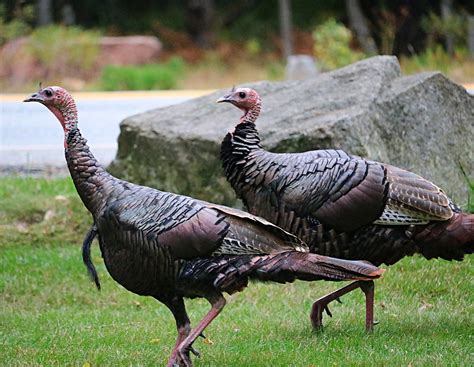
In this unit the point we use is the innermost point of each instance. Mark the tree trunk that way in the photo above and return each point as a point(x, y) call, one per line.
point(200, 19)
point(446, 11)
point(285, 27)
point(358, 24)
point(44, 11)
point(470, 36)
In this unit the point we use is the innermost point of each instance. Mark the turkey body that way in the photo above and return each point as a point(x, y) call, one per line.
point(163, 245)
point(343, 205)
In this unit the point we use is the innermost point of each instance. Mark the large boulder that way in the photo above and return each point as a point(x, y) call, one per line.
point(422, 122)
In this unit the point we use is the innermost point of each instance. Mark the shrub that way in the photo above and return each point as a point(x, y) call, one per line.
point(437, 28)
point(433, 58)
point(332, 45)
point(144, 77)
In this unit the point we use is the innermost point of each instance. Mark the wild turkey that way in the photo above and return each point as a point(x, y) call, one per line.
point(171, 246)
point(341, 205)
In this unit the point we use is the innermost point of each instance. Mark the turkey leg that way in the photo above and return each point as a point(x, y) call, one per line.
point(217, 302)
point(183, 325)
point(322, 303)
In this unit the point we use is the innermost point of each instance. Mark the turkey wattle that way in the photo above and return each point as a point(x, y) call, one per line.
point(170, 246)
point(341, 205)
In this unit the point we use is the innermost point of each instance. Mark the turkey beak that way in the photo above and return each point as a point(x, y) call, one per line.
point(35, 97)
point(226, 98)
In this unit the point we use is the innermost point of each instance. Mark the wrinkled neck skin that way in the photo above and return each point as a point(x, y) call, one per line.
point(90, 179)
point(251, 115)
point(67, 116)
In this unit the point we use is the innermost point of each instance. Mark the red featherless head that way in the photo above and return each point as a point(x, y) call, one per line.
point(60, 103)
point(247, 100)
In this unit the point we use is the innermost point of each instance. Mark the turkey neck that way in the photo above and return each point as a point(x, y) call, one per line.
point(237, 148)
point(91, 180)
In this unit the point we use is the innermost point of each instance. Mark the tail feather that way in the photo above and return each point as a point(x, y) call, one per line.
point(86, 256)
point(230, 273)
point(306, 266)
point(450, 240)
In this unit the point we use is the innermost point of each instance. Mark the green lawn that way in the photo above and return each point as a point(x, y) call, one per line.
point(52, 315)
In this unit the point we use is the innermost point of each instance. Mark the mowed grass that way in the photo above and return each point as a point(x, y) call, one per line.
point(52, 315)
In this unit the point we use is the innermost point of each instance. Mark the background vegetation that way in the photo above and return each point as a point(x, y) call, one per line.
point(224, 44)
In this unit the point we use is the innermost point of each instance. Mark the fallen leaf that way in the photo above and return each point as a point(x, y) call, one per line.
point(208, 341)
point(86, 364)
point(155, 341)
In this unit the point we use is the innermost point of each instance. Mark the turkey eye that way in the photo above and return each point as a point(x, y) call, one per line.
point(242, 94)
point(48, 93)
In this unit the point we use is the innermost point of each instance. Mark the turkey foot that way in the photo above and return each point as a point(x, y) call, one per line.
point(322, 303)
point(218, 303)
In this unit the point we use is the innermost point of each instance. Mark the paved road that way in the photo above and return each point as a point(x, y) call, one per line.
point(30, 135)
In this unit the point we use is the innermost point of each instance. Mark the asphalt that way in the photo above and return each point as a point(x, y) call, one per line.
point(31, 140)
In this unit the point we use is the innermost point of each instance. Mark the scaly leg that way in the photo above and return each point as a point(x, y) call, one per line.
point(322, 303)
point(368, 289)
point(217, 302)
point(183, 325)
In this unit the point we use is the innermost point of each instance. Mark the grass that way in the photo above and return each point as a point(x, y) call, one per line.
point(52, 315)
point(143, 77)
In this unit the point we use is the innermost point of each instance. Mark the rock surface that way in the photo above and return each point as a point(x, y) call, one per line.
point(424, 123)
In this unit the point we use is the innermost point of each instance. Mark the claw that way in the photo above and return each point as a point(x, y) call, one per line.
point(186, 361)
point(194, 351)
point(339, 300)
point(184, 355)
point(202, 335)
point(326, 308)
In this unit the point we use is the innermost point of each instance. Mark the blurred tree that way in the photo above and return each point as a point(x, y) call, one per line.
point(359, 25)
point(44, 11)
point(285, 27)
point(446, 13)
point(200, 22)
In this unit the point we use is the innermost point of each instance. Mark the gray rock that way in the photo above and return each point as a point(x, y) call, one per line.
point(424, 123)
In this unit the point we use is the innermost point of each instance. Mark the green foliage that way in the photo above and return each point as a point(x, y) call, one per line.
point(437, 28)
point(64, 49)
point(332, 45)
point(52, 315)
point(253, 47)
point(275, 70)
point(145, 77)
point(434, 58)
point(18, 26)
